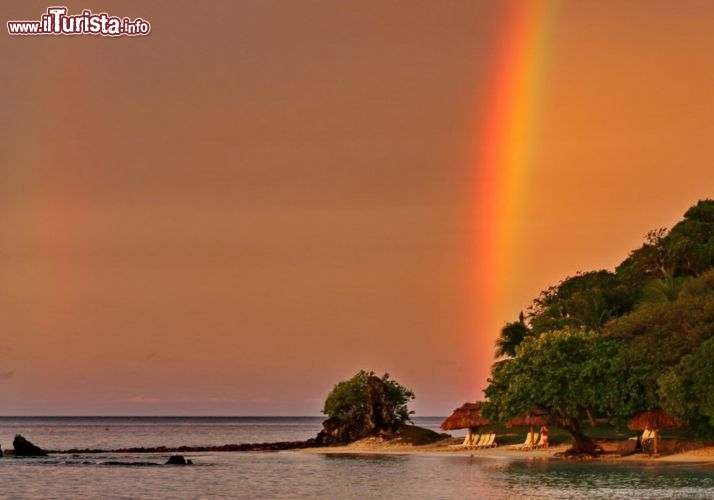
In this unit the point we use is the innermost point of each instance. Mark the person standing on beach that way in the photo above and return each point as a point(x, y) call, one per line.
point(544, 436)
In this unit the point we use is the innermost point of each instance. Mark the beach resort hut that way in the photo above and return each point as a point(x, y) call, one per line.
point(536, 417)
point(467, 416)
point(653, 421)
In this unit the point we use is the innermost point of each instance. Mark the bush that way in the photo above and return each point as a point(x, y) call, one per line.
point(365, 405)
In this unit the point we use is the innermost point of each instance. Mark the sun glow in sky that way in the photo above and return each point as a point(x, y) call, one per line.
point(259, 199)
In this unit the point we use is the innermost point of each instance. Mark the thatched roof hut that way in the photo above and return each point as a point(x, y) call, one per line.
point(467, 416)
point(653, 420)
point(533, 418)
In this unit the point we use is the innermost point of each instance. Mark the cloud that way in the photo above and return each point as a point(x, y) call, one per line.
point(143, 400)
point(7, 375)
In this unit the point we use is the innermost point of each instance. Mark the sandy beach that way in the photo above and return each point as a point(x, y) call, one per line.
point(703, 455)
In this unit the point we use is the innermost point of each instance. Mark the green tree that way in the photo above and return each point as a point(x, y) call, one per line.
point(687, 250)
point(365, 405)
point(661, 290)
point(658, 334)
point(511, 336)
point(586, 300)
point(686, 390)
point(653, 318)
point(567, 372)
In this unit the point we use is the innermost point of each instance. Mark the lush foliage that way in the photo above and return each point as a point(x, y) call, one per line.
point(686, 390)
point(569, 372)
point(511, 336)
point(352, 397)
point(647, 345)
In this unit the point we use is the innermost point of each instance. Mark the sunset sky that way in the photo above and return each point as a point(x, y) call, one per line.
point(262, 197)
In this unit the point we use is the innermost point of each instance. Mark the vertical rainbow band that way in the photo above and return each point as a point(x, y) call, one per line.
point(505, 156)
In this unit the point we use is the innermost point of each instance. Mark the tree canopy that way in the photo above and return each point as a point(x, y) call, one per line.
point(365, 405)
point(615, 343)
point(568, 372)
point(686, 389)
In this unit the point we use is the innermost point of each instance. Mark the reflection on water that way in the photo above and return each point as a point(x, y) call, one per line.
point(556, 479)
point(294, 474)
point(443, 476)
point(358, 476)
point(365, 457)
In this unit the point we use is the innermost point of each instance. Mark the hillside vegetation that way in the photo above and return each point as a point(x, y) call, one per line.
point(612, 344)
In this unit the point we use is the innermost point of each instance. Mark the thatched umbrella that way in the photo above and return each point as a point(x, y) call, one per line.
point(653, 420)
point(534, 417)
point(467, 416)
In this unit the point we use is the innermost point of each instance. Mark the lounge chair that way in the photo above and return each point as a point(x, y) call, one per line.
point(469, 440)
point(531, 440)
point(489, 442)
point(541, 442)
point(646, 435)
point(478, 444)
point(647, 438)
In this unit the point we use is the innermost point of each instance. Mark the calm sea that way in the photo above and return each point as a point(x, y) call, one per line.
point(294, 474)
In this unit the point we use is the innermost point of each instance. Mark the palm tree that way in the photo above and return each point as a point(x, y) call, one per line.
point(511, 336)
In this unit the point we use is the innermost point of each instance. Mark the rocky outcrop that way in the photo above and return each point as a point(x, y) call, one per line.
point(357, 423)
point(178, 460)
point(24, 448)
point(277, 446)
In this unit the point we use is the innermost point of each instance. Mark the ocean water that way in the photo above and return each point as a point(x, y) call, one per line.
point(296, 474)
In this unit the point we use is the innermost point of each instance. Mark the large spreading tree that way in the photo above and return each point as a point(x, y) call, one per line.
point(567, 372)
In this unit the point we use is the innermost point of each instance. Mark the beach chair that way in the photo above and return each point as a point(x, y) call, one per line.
point(477, 444)
point(493, 443)
point(647, 438)
point(469, 439)
point(531, 440)
point(541, 442)
point(489, 442)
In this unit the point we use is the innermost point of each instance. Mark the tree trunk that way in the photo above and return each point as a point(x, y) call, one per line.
point(582, 445)
point(593, 424)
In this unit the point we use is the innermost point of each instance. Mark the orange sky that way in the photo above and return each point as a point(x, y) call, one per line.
point(261, 198)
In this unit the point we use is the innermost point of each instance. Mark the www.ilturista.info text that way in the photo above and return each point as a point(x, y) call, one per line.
point(57, 22)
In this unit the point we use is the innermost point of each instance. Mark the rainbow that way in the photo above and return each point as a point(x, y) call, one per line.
point(504, 157)
point(56, 217)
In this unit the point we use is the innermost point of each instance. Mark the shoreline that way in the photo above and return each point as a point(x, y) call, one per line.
point(703, 456)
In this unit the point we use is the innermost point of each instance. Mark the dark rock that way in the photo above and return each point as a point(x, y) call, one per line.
point(24, 448)
point(176, 460)
point(0, 451)
point(279, 445)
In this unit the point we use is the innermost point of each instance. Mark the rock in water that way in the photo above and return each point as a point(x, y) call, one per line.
point(24, 448)
point(177, 460)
